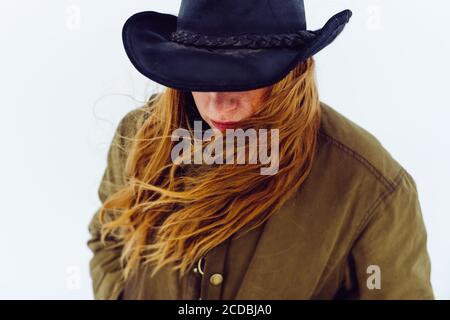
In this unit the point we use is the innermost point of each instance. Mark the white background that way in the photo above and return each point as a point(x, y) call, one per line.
point(66, 82)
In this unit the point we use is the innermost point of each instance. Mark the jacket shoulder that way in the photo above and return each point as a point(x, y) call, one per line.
point(123, 138)
point(134, 119)
point(362, 147)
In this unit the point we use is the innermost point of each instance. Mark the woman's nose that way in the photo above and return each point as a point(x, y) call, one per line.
point(223, 100)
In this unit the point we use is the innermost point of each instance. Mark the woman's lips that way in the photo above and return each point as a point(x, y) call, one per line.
point(224, 125)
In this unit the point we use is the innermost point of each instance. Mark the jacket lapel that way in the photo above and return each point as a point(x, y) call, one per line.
point(282, 259)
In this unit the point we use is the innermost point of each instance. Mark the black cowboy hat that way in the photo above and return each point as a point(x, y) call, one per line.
point(225, 45)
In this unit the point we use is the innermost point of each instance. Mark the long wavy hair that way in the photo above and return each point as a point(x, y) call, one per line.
point(168, 213)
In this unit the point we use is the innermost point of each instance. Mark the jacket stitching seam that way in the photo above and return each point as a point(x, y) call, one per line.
point(380, 177)
point(370, 213)
point(379, 200)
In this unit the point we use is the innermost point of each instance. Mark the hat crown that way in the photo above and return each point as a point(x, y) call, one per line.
point(232, 17)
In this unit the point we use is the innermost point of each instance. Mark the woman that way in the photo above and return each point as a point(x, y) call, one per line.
point(339, 219)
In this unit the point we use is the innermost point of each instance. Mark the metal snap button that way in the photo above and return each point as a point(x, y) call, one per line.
point(216, 279)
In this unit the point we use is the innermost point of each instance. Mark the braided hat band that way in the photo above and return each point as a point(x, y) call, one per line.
point(252, 41)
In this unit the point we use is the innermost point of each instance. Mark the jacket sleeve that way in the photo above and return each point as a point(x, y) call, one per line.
point(389, 257)
point(105, 267)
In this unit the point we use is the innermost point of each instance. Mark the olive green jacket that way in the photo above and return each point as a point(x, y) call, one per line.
point(354, 230)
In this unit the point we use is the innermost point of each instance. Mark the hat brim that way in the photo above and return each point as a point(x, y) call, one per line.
point(146, 38)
